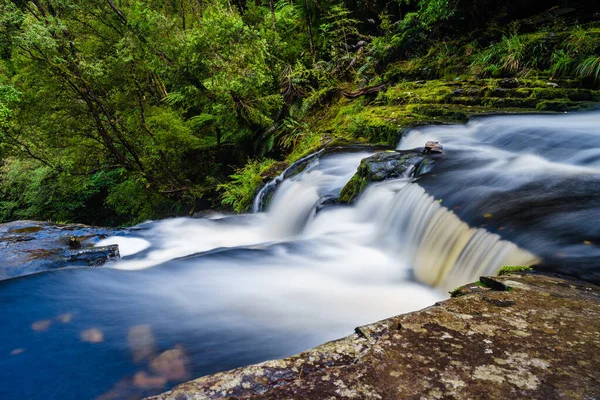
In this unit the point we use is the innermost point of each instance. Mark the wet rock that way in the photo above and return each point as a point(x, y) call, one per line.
point(96, 256)
point(540, 340)
point(433, 147)
point(27, 247)
point(142, 343)
point(41, 326)
point(380, 167)
point(74, 243)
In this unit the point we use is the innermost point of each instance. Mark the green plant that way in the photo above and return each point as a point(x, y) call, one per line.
point(239, 192)
point(561, 62)
point(589, 67)
point(291, 132)
point(514, 48)
point(513, 269)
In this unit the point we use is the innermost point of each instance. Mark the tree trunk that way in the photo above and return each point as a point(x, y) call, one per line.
point(309, 25)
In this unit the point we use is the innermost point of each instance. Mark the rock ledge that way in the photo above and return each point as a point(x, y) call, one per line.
point(538, 338)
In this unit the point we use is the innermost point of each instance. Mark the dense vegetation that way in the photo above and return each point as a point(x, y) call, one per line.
point(116, 111)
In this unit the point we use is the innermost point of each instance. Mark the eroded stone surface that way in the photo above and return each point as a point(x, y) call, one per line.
point(539, 339)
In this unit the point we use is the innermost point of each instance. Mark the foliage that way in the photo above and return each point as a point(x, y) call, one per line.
point(512, 269)
point(241, 189)
point(589, 67)
point(116, 112)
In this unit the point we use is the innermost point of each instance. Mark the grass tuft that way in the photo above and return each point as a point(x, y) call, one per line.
point(512, 269)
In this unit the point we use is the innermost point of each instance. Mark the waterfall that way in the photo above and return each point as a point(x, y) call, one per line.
point(262, 197)
point(303, 270)
point(443, 250)
point(397, 221)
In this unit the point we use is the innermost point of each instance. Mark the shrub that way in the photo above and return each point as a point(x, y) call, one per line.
point(239, 192)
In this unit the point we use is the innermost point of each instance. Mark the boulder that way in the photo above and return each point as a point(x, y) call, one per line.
point(384, 166)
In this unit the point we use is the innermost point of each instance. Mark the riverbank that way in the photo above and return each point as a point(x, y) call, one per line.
point(518, 335)
point(381, 118)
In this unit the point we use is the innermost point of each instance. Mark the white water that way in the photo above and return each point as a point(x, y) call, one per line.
point(271, 284)
point(396, 250)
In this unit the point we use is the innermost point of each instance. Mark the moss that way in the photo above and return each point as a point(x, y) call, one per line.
point(581, 95)
point(513, 269)
point(549, 93)
point(352, 189)
point(447, 113)
point(408, 104)
point(555, 105)
point(456, 292)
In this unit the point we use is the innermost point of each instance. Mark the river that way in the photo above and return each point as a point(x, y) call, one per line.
point(192, 297)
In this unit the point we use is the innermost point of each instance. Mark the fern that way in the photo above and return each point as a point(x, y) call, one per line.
point(239, 192)
point(561, 62)
point(589, 67)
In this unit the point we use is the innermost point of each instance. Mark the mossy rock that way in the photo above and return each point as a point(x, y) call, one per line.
point(556, 105)
point(380, 167)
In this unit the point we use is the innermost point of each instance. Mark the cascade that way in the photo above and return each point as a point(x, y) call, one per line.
point(232, 290)
point(443, 250)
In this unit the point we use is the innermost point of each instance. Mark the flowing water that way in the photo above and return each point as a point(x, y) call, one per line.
point(196, 296)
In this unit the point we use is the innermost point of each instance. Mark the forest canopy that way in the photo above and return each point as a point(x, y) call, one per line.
point(117, 111)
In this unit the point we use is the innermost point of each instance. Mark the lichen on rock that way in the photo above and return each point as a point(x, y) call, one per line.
point(539, 340)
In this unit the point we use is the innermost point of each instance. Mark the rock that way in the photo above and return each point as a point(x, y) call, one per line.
point(433, 147)
point(380, 167)
point(552, 84)
point(142, 343)
point(96, 256)
point(28, 247)
point(538, 340)
point(509, 83)
point(74, 243)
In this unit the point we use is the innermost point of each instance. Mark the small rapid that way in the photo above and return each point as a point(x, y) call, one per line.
point(217, 293)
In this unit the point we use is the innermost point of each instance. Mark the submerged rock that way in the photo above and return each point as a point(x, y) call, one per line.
point(383, 166)
point(538, 338)
point(27, 247)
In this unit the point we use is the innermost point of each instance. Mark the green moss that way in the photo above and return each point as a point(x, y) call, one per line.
point(555, 105)
point(352, 189)
point(456, 292)
point(513, 269)
point(548, 93)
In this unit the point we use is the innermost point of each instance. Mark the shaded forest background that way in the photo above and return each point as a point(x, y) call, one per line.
point(117, 111)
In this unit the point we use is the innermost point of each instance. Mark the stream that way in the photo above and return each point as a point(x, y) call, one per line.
point(192, 297)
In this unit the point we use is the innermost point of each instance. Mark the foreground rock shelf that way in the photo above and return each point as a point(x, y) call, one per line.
point(522, 336)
